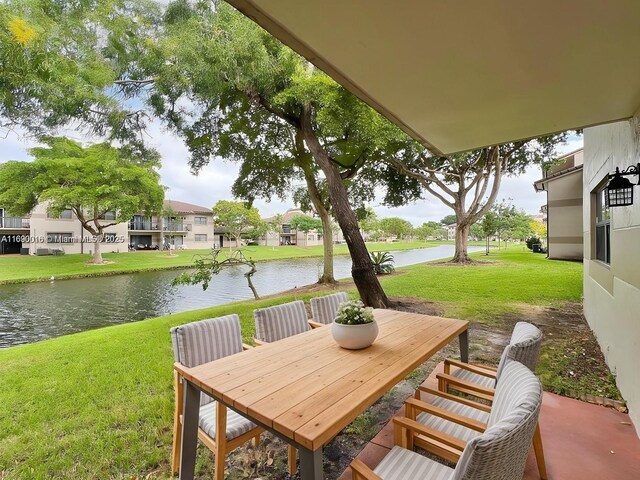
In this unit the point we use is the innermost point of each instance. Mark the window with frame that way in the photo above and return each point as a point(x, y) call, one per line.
point(59, 237)
point(65, 214)
point(602, 227)
point(108, 216)
point(200, 220)
point(201, 237)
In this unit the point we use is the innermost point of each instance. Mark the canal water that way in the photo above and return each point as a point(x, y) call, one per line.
point(36, 311)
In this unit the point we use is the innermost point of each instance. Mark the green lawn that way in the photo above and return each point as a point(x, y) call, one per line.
point(98, 404)
point(14, 269)
point(484, 291)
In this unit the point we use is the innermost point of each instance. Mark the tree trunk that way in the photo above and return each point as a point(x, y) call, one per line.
point(327, 244)
point(366, 281)
point(462, 240)
point(327, 233)
point(248, 276)
point(97, 254)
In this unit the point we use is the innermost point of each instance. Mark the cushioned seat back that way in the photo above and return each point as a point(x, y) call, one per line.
point(501, 452)
point(206, 340)
point(281, 321)
point(323, 309)
point(524, 347)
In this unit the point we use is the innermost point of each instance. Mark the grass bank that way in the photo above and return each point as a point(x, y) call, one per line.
point(98, 404)
point(21, 269)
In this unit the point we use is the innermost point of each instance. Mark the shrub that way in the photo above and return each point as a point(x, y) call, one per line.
point(531, 241)
point(382, 262)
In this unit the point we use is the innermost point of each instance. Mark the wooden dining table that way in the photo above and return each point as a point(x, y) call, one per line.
point(305, 389)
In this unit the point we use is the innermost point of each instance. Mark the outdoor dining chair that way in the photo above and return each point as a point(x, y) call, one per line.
point(323, 309)
point(480, 381)
point(499, 452)
point(194, 344)
point(281, 321)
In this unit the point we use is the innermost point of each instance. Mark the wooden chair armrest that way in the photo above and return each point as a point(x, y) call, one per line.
point(259, 343)
point(453, 398)
point(246, 346)
point(479, 369)
point(359, 471)
point(417, 428)
point(473, 387)
point(419, 405)
point(315, 324)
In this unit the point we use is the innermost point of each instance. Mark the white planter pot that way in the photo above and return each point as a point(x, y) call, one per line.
point(354, 337)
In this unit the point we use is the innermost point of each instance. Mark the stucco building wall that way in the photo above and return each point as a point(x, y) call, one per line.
point(612, 292)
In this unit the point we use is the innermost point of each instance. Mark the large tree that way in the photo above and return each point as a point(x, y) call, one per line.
point(304, 224)
point(62, 64)
point(90, 181)
point(214, 70)
point(469, 183)
point(395, 226)
point(236, 218)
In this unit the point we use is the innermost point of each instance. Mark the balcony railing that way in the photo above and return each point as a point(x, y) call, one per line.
point(176, 227)
point(14, 222)
point(139, 224)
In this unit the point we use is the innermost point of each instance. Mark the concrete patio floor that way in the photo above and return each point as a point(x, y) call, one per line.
point(581, 441)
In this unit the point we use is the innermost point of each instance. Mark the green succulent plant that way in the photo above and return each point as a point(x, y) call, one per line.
point(382, 262)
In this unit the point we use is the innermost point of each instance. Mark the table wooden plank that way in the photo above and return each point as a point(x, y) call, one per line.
point(307, 410)
point(273, 403)
point(308, 388)
point(295, 371)
point(324, 426)
point(253, 363)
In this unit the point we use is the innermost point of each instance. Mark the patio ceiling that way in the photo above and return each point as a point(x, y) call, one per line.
point(462, 75)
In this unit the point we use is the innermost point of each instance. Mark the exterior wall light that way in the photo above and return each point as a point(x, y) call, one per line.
point(619, 192)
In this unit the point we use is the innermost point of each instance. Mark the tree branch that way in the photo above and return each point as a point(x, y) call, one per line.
point(135, 83)
point(438, 195)
point(497, 178)
point(278, 112)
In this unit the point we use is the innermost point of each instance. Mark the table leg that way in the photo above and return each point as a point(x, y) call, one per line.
point(464, 346)
point(311, 464)
point(190, 417)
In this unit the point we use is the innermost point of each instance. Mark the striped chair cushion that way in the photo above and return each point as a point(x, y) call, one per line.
point(281, 321)
point(476, 378)
point(402, 464)
point(236, 424)
point(452, 428)
point(524, 346)
point(501, 451)
point(517, 389)
point(207, 340)
point(323, 309)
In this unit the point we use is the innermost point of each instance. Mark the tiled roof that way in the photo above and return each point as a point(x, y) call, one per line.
point(183, 207)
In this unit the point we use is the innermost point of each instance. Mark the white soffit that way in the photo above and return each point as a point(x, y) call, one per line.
point(458, 75)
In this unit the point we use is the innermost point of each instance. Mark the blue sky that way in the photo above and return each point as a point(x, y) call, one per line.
point(214, 181)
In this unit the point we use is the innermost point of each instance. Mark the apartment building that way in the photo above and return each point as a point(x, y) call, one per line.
point(562, 181)
point(186, 226)
point(287, 235)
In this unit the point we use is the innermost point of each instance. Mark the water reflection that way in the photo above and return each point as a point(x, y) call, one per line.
point(32, 312)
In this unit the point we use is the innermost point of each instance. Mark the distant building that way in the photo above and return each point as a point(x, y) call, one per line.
point(189, 226)
point(563, 183)
point(451, 231)
point(287, 235)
